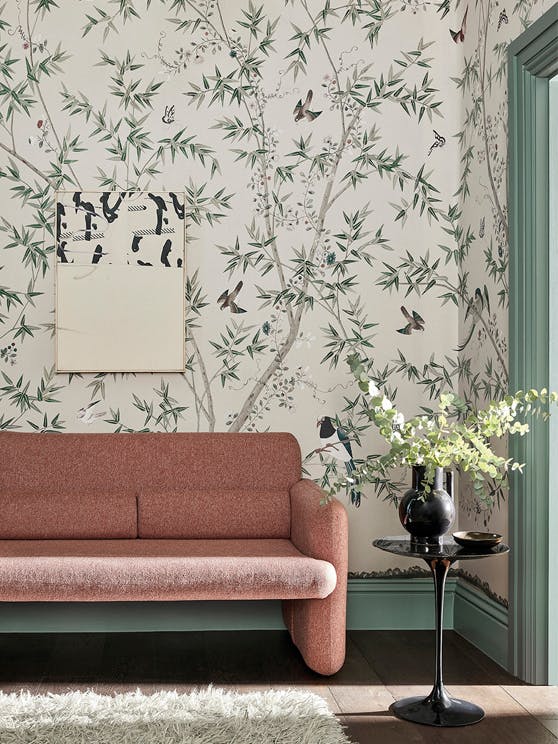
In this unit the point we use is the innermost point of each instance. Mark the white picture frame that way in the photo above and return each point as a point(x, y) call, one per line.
point(119, 282)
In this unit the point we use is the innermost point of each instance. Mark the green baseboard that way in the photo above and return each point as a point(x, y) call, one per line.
point(372, 604)
point(137, 617)
point(408, 604)
point(482, 621)
point(396, 604)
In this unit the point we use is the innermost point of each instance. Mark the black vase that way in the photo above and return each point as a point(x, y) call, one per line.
point(428, 516)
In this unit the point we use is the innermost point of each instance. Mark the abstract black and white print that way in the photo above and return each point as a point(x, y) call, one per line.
point(120, 281)
point(134, 228)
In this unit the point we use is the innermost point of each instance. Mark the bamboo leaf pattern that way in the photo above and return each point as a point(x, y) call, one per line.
point(302, 135)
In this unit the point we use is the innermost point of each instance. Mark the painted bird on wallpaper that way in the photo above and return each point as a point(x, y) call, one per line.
point(439, 141)
point(458, 36)
point(87, 415)
point(480, 301)
point(228, 300)
point(168, 116)
point(302, 111)
point(475, 307)
point(336, 443)
point(414, 322)
point(502, 19)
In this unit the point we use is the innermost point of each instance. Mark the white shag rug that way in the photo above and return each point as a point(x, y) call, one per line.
point(209, 716)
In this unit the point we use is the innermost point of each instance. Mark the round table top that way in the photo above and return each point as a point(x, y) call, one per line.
point(401, 545)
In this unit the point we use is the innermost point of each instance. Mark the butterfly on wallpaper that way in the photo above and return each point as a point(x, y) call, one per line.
point(460, 35)
point(39, 45)
point(168, 116)
point(414, 322)
point(502, 19)
point(228, 300)
point(301, 110)
point(481, 227)
point(439, 141)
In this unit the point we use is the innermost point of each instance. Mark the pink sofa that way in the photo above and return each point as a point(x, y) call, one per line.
point(101, 517)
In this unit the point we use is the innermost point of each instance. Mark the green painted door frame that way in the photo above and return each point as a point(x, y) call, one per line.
point(533, 61)
point(553, 242)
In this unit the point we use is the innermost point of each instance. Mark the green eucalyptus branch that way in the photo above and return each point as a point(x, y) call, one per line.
point(454, 436)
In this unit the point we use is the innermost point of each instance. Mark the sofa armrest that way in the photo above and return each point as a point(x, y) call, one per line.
point(319, 531)
point(318, 626)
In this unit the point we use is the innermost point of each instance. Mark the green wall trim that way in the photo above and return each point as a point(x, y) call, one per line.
point(137, 617)
point(482, 621)
point(396, 604)
point(533, 58)
point(553, 424)
point(537, 47)
point(372, 604)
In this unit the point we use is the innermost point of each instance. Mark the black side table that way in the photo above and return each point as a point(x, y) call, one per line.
point(438, 708)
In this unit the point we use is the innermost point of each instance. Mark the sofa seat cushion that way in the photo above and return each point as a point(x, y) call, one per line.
point(120, 570)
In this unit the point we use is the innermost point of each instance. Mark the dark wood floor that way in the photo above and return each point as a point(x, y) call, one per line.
point(381, 666)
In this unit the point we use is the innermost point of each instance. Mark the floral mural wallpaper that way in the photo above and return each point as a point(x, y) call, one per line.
point(344, 168)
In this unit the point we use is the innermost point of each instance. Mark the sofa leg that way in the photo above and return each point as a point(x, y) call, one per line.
point(317, 628)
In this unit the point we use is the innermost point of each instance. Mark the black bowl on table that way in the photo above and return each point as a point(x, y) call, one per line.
point(477, 540)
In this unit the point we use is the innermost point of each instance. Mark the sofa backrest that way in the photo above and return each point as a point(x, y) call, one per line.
point(179, 485)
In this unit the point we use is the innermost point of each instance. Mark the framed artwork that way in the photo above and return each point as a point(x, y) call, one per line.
point(120, 281)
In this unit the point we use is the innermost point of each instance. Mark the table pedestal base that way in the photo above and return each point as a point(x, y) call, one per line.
point(437, 710)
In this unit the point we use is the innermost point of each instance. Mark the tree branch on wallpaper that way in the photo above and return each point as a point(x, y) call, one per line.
point(54, 65)
point(325, 164)
point(483, 142)
point(308, 249)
